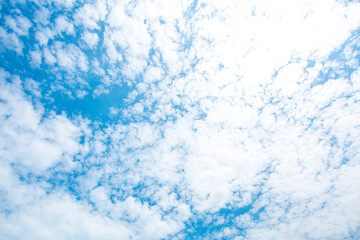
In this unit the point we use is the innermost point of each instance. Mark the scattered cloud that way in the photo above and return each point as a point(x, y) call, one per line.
point(20, 25)
point(10, 41)
point(180, 120)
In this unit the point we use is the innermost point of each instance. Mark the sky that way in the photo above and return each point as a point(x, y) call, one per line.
point(157, 119)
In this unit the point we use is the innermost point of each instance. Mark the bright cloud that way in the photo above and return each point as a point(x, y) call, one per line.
point(179, 119)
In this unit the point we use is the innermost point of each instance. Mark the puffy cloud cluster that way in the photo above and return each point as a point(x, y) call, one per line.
point(240, 120)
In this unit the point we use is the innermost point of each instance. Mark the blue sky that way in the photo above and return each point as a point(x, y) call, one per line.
point(179, 119)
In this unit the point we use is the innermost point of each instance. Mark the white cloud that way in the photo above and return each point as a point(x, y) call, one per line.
point(89, 15)
point(236, 119)
point(63, 25)
point(27, 138)
point(49, 57)
point(153, 74)
point(67, 3)
point(19, 24)
point(116, 16)
point(249, 128)
point(81, 94)
point(43, 35)
point(148, 221)
point(57, 217)
point(36, 58)
point(33, 87)
point(42, 16)
point(69, 57)
point(91, 39)
point(11, 41)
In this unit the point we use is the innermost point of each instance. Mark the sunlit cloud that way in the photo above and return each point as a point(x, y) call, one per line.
point(179, 119)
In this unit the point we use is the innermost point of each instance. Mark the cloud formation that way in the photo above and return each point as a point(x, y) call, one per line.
point(179, 120)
